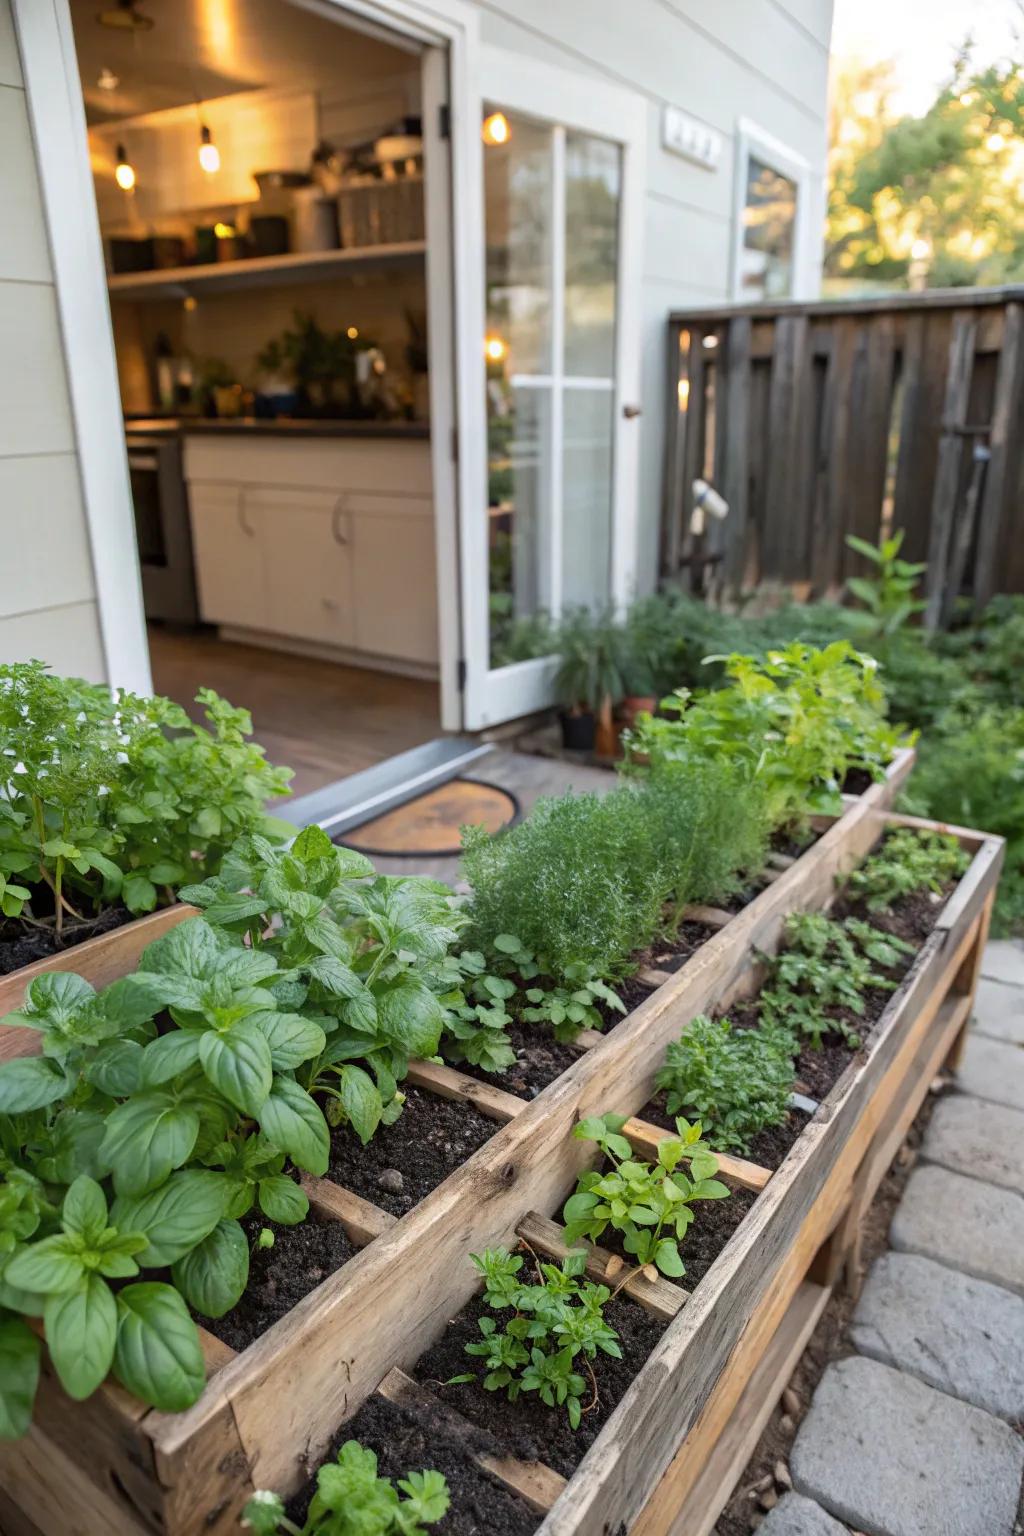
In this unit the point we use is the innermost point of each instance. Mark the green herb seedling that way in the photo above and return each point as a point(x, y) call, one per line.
point(351, 1500)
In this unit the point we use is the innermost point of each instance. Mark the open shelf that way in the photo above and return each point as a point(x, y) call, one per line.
point(259, 271)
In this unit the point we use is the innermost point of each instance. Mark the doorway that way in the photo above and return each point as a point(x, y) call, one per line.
point(260, 180)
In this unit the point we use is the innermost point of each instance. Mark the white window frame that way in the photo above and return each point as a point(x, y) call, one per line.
point(753, 141)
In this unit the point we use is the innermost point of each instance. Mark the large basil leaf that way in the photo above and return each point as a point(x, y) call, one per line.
point(28, 1083)
point(282, 1200)
point(85, 1210)
point(146, 1138)
point(81, 1327)
point(157, 1355)
point(75, 1139)
point(20, 1353)
point(336, 978)
point(168, 1057)
point(214, 1274)
point(410, 1014)
point(360, 1100)
point(295, 1125)
point(175, 1217)
point(238, 1064)
point(52, 1265)
point(292, 1038)
point(114, 1069)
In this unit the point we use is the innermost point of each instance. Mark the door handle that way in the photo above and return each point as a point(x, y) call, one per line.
point(244, 524)
point(336, 517)
point(629, 411)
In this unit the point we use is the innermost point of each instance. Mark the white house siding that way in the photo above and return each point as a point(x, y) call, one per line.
point(718, 60)
point(47, 591)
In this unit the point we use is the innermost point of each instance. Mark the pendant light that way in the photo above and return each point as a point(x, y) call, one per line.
point(124, 171)
point(209, 154)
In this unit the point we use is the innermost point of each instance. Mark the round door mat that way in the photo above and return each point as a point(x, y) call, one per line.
point(429, 825)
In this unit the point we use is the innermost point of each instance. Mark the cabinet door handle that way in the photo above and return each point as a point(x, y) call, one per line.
point(336, 517)
point(244, 524)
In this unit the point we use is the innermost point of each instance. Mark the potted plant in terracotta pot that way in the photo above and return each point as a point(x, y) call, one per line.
point(589, 681)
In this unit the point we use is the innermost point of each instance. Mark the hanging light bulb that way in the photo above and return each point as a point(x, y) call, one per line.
point(124, 171)
point(496, 129)
point(209, 154)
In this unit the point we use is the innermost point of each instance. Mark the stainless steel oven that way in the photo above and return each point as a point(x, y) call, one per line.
point(162, 526)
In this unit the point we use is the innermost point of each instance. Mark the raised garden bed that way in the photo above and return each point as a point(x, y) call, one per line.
point(270, 1412)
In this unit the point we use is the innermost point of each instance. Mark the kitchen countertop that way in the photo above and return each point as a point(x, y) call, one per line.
point(284, 427)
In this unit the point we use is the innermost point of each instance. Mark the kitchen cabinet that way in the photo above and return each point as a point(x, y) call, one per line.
point(327, 545)
point(230, 561)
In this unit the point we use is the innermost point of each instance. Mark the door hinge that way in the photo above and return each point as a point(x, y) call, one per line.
point(460, 674)
point(444, 120)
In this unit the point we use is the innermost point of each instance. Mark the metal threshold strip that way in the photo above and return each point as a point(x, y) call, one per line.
point(348, 802)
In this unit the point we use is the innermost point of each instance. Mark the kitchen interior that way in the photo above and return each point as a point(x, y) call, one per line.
point(258, 169)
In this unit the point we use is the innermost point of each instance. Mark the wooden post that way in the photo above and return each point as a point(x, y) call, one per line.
point(998, 499)
point(947, 479)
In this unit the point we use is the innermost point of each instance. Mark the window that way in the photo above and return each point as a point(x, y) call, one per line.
point(772, 190)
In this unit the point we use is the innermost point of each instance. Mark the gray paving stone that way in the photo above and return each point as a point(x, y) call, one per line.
point(963, 1223)
point(999, 1011)
point(1003, 960)
point(973, 1136)
point(964, 1336)
point(992, 1069)
point(892, 1457)
point(794, 1515)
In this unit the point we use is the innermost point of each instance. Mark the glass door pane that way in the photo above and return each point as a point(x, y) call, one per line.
point(552, 203)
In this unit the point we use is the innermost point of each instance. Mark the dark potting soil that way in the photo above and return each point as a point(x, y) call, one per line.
point(768, 1147)
point(672, 954)
point(631, 993)
point(912, 918)
point(427, 1142)
point(279, 1277)
point(540, 1059)
point(528, 1428)
point(793, 841)
point(407, 1442)
point(857, 781)
point(21, 944)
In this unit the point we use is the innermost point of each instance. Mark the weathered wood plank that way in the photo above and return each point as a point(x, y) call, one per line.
point(737, 1170)
point(659, 1296)
point(947, 478)
point(362, 1220)
point(734, 432)
point(999, 499)
point(450, 1084)
point(868, 444)
point(100, 961)
point(537, 1484)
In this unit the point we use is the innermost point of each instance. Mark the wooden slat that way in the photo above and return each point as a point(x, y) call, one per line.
point(947, 478)
point(754, 1408)
point(658, 1295)
point(714, 917)
point(101, 961)
point(645, 1138)
point(362, 1220)
point(60, 1497)
point(999, 501)
point(735, 403)
point(786, 517)
point(535, 1483)
point(868, 446)
point(450, 1084)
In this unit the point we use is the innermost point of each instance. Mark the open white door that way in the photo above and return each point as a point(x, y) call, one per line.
point(554, 527)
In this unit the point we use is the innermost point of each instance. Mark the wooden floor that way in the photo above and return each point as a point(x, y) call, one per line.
point(322, 719)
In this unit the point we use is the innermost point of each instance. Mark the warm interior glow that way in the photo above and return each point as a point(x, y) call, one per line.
point(683, 393)
point(224, 231)
point(124, 171)
point(352, 332)
point(494, 349)
point(496, 129)
point(209, 154)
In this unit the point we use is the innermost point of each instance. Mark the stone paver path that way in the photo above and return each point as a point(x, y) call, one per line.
point(919, 1433)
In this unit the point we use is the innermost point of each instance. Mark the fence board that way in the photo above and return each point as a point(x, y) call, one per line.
point(811, 401)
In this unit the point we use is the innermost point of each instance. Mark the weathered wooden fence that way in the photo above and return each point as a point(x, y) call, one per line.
point(815, 421)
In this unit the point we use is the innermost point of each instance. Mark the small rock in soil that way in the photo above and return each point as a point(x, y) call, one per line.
point(768, 1499)
point(391, 1180)
point(791, 1401)
point(787, 1424)
point(782, 1476)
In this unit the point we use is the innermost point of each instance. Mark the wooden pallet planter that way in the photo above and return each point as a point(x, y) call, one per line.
point(269, 1413)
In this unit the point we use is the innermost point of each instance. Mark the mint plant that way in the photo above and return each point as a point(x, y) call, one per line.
point(109, 797)
point(908, 861)
point(476, 1012)
point(351, 1500)
point(557, 1321)
point(357, 960)
point(649, 1204)
point(823, 968)
point(794, 722)
point(737, 1082)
